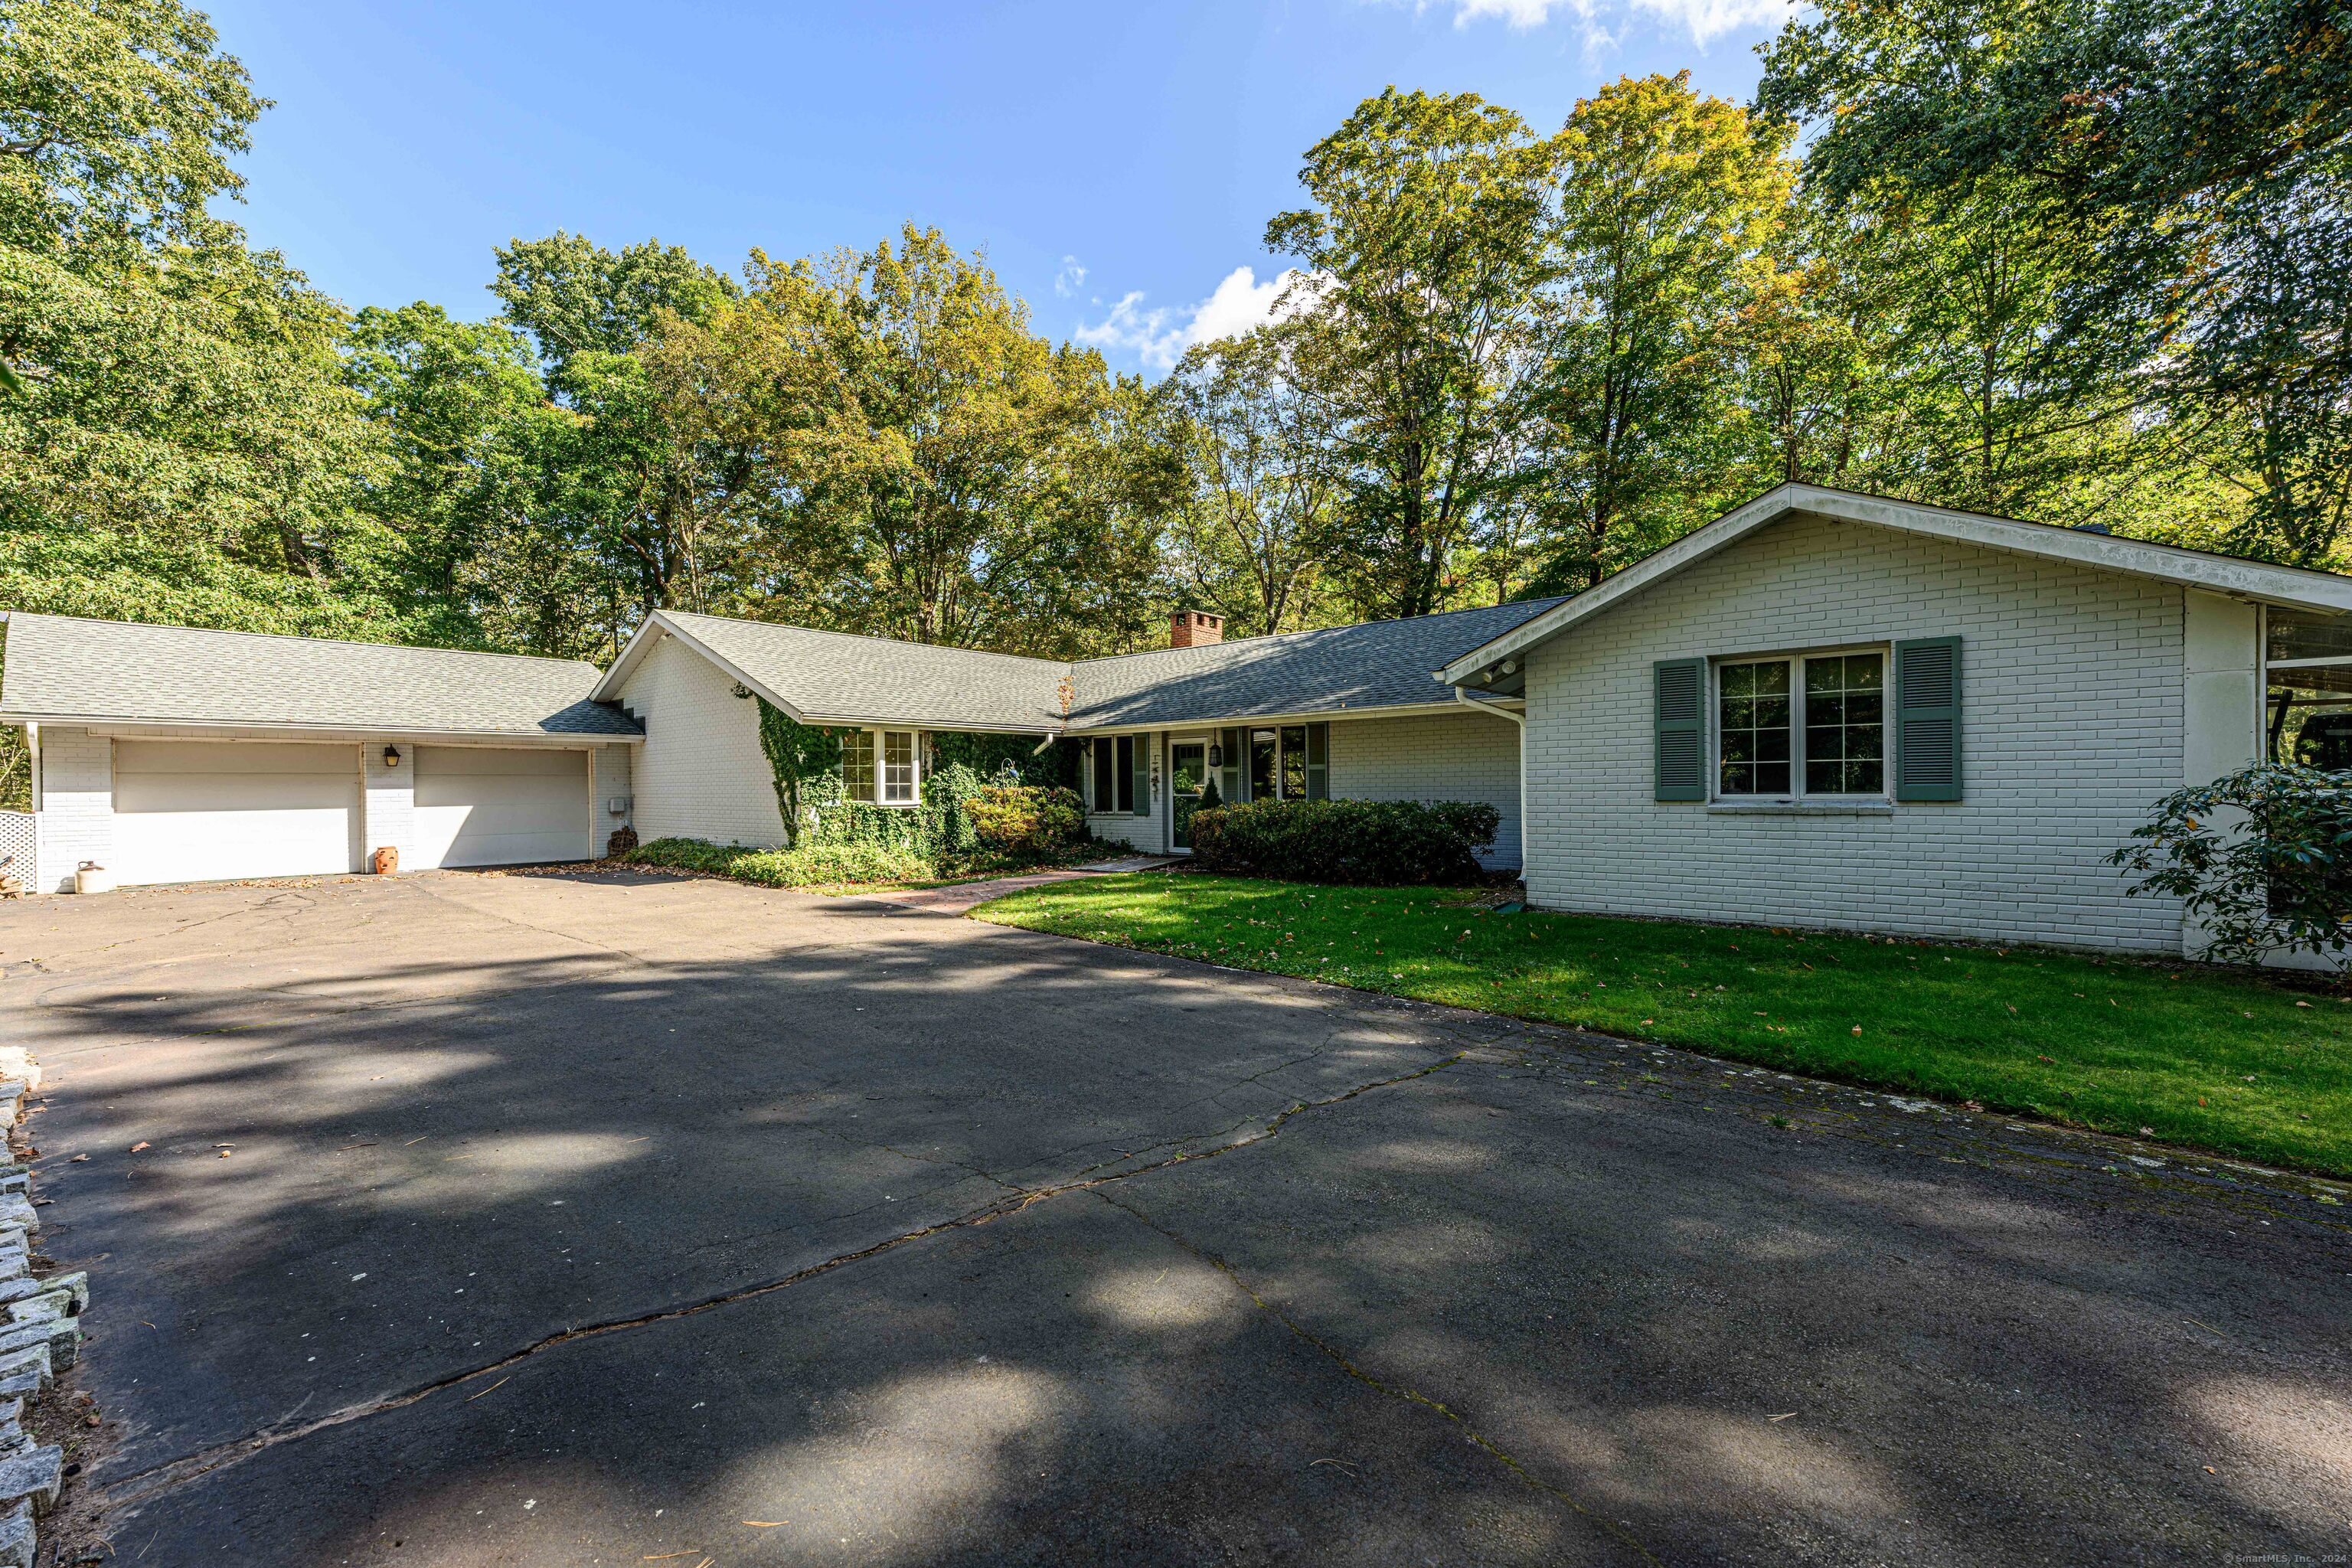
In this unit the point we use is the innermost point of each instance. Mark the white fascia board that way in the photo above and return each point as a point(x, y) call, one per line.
point(930, 726)
point(2325, 591)
point(1304, 716)
point(256, 730)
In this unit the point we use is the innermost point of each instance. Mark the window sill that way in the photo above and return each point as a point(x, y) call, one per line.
point(1801, 808)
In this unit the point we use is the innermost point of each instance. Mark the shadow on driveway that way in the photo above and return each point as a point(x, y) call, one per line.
point(598, 1216)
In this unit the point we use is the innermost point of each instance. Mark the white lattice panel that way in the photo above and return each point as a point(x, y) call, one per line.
point(20, 838)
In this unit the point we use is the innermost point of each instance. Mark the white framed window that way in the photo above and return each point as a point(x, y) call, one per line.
point(1802, 725)
point(2307, 689)
point(857, 765)
point(1111, 777)
point(900, 767)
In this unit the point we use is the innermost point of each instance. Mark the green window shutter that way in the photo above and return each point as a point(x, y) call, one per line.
point(1928, 718)
point(1230, 777)
point(1139, 765)
point(1680, 711)
point(1318, 762)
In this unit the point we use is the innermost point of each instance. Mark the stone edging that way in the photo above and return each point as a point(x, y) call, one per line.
point(40, 1334)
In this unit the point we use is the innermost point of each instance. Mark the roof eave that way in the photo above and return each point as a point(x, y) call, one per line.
point(304, 727)
point(2285, 585)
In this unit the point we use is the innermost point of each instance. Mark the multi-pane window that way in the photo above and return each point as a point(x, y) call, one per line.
point(898, 767)
point(1114, 773)
point(1818, 723)
point(1845, 724)
point(1752, 727)
point(2307, 706)
point(857, 765)
point(1277, 762)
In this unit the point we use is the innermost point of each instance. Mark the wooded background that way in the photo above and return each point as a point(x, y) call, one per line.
point(2072, 260)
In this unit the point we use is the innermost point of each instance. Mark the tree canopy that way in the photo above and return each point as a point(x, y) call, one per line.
point(2073, 260)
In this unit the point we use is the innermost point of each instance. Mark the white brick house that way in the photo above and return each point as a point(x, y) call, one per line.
point(1822, 709)
point(1836, 710)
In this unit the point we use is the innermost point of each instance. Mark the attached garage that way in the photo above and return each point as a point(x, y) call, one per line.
point(197, 811)
point(483, 806)
point(176, 754)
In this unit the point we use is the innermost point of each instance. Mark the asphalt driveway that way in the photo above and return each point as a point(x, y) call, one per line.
point(615, 1219)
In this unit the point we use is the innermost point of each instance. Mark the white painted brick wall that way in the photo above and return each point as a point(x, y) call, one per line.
point(610, 777)
point(2071, 714)
point(1440, 756)
point(76, 804)
point(700, 773)
point(388, 802)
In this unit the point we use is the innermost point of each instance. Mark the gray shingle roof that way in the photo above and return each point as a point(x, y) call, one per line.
point(62, 668)
point(834, 675)
point(1380, 664)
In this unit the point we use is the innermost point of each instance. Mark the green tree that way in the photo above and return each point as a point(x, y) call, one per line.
point(1669, 200)
point(117, 120)
point(178, 441)
point(935, 470)
point(2194, 160)
point(1425, 269)
point(467, 421)
point(576, 298)
point(1260, 528)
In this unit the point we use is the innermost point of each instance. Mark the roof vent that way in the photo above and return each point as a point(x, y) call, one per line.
point(1195, 628)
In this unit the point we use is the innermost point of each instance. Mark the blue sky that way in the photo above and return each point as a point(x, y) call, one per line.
point(1099, 153)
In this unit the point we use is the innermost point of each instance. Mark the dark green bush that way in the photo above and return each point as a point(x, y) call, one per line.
point(2261, 859)
point(1016, 819)
point(1370, 843)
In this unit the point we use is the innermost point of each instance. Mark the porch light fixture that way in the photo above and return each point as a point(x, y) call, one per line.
point(1217, 756)
point(392, 756)
point(742, 692)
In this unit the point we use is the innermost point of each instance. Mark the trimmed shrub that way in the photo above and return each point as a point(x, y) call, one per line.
point(1015, 819)
point(1370, 843)
point(816, 865)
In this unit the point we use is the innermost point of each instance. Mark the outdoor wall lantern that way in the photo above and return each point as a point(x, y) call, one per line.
point(740, 692)
point(392, 756)
point(1217, 756)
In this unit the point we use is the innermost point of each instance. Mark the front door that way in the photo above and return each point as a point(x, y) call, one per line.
point(1188, 775)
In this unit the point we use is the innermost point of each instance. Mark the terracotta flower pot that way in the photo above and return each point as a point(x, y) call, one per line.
point(385, 860)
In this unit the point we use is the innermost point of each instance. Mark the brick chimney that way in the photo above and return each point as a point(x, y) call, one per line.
point(1195, 628)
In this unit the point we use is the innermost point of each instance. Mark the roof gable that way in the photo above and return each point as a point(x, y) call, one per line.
point(2323, 591)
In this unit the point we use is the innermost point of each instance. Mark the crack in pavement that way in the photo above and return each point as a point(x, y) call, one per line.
point(1393, 1390)
point(129, 1491)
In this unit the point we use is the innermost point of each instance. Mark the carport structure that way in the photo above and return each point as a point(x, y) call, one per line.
point(174, 754)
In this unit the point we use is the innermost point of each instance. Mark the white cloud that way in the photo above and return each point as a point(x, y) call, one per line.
point(1707, 19)
point(1070, 279)
point(1703, 20)
point(1159, 335)
point(1518, 13)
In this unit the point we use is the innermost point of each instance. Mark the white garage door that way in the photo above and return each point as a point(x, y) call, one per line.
point(199, 811)
point(477, 805)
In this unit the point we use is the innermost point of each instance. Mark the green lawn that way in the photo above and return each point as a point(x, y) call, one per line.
point(2200, 1056)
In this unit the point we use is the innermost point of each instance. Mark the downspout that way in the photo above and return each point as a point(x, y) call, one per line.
point(1520, 718)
